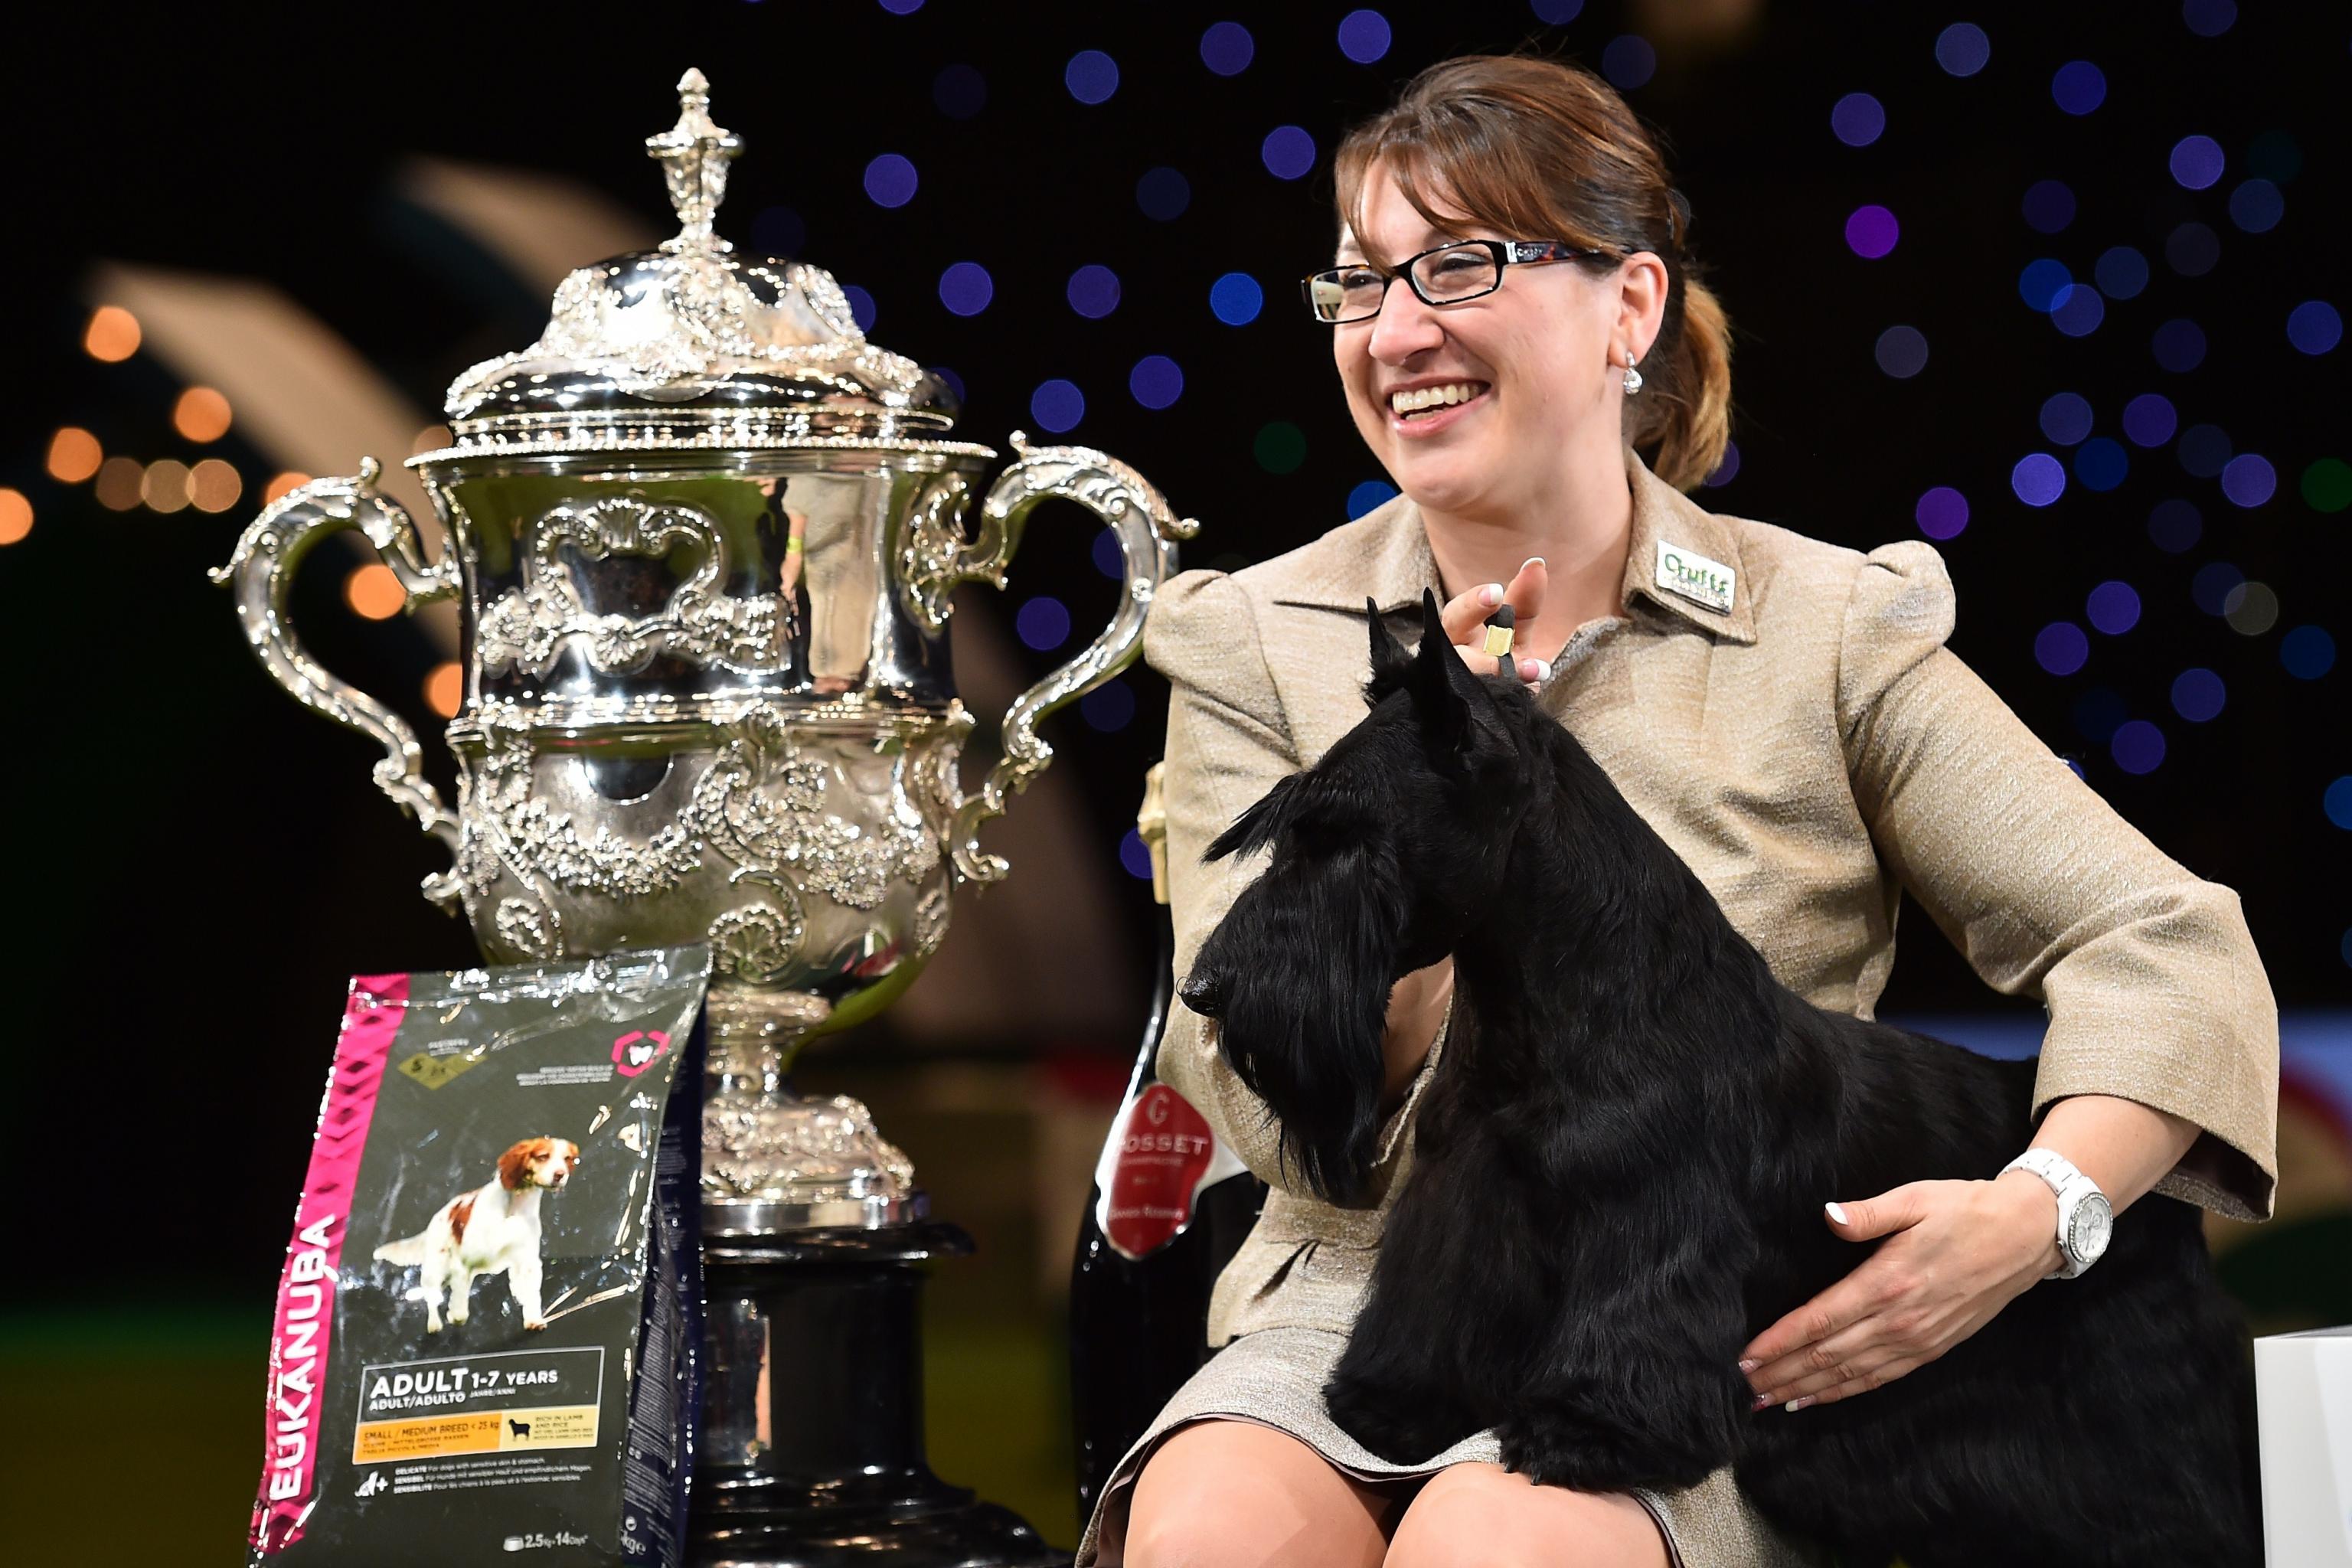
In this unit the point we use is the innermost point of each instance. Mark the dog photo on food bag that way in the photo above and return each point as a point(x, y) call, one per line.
point(1620, 1162)
point(494, 1229)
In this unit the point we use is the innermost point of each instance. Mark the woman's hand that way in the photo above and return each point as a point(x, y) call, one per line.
point(1466, 614)
point(1954, 1253)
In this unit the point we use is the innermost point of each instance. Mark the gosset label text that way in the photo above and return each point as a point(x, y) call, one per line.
point(1163, 1143)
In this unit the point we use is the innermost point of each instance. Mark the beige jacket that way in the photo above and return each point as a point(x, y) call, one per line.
point(1810, 751)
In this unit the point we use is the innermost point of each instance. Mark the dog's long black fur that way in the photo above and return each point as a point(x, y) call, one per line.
point(1620, 1166)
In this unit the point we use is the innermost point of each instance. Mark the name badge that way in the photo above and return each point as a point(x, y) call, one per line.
point(1695, 577)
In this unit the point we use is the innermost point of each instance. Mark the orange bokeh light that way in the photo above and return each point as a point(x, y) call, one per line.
point(112, 334)
point(165, 486)
point(432, 439)
point(74, 454)
point(201, 414)
point(16, 515)
point(214, 485)
point(445, 689)
point(119, 480)
point(283, 486)
point(373, 591)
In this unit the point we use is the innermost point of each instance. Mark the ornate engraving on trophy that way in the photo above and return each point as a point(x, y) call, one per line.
point(527, 627)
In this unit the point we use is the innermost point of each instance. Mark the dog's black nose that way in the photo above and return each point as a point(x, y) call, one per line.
point(1201, 994)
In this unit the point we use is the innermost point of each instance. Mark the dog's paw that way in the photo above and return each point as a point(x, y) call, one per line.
point(1559, 1448)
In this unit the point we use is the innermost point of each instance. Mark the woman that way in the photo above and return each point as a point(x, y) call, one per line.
point(1784, 712)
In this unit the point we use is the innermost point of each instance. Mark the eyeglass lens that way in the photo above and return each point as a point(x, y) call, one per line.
point(1457, 272)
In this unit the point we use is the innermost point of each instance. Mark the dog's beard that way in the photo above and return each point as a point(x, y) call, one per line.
point(1305, 1031)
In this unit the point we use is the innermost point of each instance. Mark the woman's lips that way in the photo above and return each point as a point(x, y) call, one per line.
point(1430, 422)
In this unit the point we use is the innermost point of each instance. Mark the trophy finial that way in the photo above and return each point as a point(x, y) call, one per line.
point(693, 154)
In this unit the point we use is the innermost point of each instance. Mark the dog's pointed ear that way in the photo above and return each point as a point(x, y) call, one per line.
point(1444, 690)
point(1260, 823)
point(1392, 664)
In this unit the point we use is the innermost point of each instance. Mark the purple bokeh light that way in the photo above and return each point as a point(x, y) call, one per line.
point(1057, 405)
point(2149, 419)
point(2113, 607)
point(1629, 61)
point(1091, 76)
point(2313, 327)
point(1289, 152)
point(2061, 648)
point(2249, 481)
point(1962, 49)
point(2038, 479)
point(2138, 746)
point(2066, 417)
point(1364, 36)
point(2197, 162)
point(2256, 206)
point(1942, 512)
point(1871, 232)
point(890, 180)
point(1043, 623)
point(1094, 291)
point(966, 289)
point(1857, 119)
point(1227, 48)
point(2078, 87)
point(2049, 206)
point(1901, 351)
point(2178, 345)
point(1156, 382)
point(2198, 696)
point(2078, 310)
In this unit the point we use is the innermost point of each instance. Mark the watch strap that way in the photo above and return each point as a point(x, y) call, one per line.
point(2069, 1186)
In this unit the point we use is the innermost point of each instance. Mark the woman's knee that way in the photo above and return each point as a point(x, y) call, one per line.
point(1233, 1494)
point(1482, 1515)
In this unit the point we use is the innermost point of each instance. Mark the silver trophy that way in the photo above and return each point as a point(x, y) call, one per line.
point(704, 536)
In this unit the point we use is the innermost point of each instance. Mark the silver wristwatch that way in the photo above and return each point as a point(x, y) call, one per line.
point(2085, 1220)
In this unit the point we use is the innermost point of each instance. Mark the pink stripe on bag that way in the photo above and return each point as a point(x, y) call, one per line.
point(306, 1290)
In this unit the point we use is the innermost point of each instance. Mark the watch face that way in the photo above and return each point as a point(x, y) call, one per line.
point(2094, 1223)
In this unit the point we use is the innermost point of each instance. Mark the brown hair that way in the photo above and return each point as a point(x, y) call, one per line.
point(1546, 150)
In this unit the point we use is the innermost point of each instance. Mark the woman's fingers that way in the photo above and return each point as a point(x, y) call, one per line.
point(1465, 615)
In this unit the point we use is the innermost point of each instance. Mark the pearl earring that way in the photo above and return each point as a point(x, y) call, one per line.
point(1633, 378)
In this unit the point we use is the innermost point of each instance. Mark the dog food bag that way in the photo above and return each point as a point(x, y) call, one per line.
point(488, 1323)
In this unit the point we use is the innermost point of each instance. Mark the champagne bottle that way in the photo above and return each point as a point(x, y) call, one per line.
point(1170, 1205)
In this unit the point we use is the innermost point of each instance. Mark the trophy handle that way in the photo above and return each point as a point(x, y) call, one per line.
point(1148, 530)
point(262, 572)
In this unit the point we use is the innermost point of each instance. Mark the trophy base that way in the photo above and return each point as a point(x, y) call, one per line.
point(811, 1430)
point(732, 1219)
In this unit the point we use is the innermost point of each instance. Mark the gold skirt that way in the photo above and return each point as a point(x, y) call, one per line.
point(1275, 1377)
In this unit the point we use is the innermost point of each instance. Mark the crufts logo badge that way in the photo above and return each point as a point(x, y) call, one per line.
point(638, 1049)
point(1695, 577)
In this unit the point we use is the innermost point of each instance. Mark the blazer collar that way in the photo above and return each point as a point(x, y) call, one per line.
point(1387, 559)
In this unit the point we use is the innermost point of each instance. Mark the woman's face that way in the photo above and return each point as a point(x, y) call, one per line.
point(1542, 358)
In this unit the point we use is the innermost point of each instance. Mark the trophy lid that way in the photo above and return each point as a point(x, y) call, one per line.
point(692, 346)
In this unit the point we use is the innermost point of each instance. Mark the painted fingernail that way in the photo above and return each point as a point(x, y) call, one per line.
point(1492, 593)
point(1835, 1211)
point(1529, 668)
point(1750, 1364)
point(1796, 1404)
point(1531, 561)
point(1759, 1402)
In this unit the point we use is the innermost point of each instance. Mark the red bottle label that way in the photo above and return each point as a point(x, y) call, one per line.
point(1160, 1157)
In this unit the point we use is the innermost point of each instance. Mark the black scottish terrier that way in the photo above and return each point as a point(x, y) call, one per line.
point(1620, 1166)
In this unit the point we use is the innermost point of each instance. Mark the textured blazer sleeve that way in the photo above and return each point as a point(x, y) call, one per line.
point(1228, 741)
point(2153, 987)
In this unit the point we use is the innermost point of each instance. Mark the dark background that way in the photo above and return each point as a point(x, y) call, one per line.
point(178, 825)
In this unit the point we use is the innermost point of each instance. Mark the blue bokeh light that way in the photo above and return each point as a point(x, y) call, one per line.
point(1557, 12)
point(1364, 36)
point(1962, 49)
point(2066, 417)
point(1288, 152)
point(2121, 272)
point(1942, 512)
point(1133, 857)
point(2337, 803)
point(2137, 747)
point(861, 306)
point(2078, 87)
point(2313, 327)
point(2043, 282)
point(1236, 298)
point(2101, 463)
point(2256, 206)
point(1163, 193)
point(1857, 119)
point(2214, 584)
point(1156, 382)
point(955, 381)
point(2038, 479)
point(2249, 481)
point(1057, 405)
point(2049, 206)
point(1726, 467)
point(2307, 652)
point(890, 180)
point(2113, 607)
point(966, 289)
point(1227, 48)
point(1901, 351)
point(2197, 162)
point(2149, 419)
point(2175, 526)
point(1091, 76)
point(1628, 61)
point(2061, 648)
point(1093, 291)
point(1369, 494)
point(1108, 707)
point(2198, 696)
point(1043, 623)
point(1109, 558)
point(2209, 18)
point(2178, 345)
point(2079, 310)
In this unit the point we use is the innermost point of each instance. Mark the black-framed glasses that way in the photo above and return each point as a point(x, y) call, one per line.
point(1446, 276)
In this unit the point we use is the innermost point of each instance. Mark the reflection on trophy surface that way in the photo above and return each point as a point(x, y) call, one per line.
point(704, 535)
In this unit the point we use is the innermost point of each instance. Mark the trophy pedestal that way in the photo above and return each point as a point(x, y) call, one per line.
point(811, 1434)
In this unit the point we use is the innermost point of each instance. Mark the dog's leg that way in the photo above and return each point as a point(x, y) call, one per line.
point(432, 1280)
point(522, 1279)
point(461, 1294)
